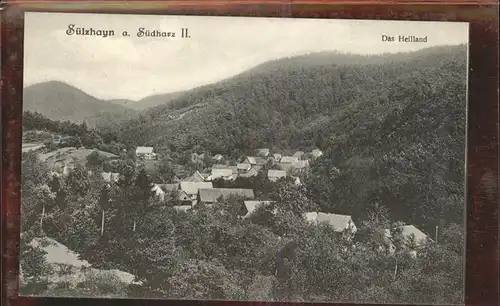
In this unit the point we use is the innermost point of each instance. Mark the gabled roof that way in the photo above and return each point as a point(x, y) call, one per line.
point(251, 206)
point(212, 194)
point(301, 164)
point(276, 173)
point(252, 172)
point(144, 150)
point(191, 188)
point(409, 230)
point(289, 159)
point(218, 156)
point(298, 154)
point(195, 177)
point(219, 166)
point(263, 152)
point(219, 172)
point(244, 167)
point(256, 160)
point(338, 222)
point(169, 187)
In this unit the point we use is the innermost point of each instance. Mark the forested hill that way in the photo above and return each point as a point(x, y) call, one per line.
point(60, 101)
point(395, 130)
point(297, 102)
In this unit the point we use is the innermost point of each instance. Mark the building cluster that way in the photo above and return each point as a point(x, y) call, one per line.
point(198, 188)
point(251, 165)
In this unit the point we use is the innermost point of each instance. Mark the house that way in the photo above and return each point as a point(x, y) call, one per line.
point(210, 195)
point(251, 206)
point(255, 160)
point(218, 158)
point(277, 157)
point(274, 175)
point(158, 191)
point(301, 165)
point(235, 170)
point(197, 158)
point(254, 171)
point(145, 153)
point(189, 190)
point(413, 238)
point(263, 152)
point(289, 160)
point(242, 168)
point(224, 173)
point(298, 154)
point(161, 189)
point(296, 166)
point(339, 223)
point(195, 177)
point(110, 177)
point(220, 166)
point(316, 153)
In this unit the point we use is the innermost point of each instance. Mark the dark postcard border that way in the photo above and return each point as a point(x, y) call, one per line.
point(482, 165)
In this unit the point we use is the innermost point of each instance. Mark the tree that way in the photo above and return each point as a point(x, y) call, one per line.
point(94, 161)
point(291, 198)
point(35, 269)
point(197, 279)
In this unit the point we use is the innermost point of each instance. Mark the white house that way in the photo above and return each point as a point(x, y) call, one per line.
point(145, 153)
point(242, 168)
point(191, 189)
point(224, 173)
point(289, 160)
point(263, 152)
point(255, 160)
point(274, 175)
point(277, 157)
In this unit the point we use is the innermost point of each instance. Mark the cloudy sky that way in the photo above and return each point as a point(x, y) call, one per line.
point(219, 47)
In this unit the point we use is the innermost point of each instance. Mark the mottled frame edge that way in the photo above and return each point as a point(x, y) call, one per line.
point(482, 133)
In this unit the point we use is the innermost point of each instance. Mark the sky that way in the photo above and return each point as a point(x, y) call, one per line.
point(219, 47)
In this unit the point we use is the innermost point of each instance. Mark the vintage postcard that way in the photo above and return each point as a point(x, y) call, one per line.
point(245, 159)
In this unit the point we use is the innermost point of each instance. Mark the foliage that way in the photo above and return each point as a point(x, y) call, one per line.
point(392, 137)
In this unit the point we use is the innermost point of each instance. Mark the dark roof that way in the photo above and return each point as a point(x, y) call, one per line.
point(169, 187)
point(256, 160)
point(193, 187)
point(195, 177)
point(212, 194)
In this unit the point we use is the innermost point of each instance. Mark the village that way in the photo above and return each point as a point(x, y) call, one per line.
point(198, 188)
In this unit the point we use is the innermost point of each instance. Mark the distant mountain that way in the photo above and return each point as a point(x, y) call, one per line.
point(147, 102)
point(60, 101)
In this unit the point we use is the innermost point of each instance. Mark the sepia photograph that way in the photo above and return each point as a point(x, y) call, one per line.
point(243, 158)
